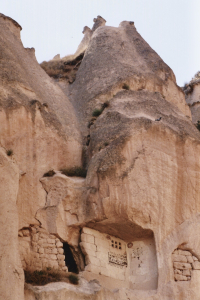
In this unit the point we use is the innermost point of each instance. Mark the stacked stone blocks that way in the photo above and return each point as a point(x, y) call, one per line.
point(184, 263)
point(104, 254)
point(40, 250)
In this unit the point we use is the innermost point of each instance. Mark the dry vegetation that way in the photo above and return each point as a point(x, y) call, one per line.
point(46, 276)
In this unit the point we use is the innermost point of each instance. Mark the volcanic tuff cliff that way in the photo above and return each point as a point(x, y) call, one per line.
point(113, 109)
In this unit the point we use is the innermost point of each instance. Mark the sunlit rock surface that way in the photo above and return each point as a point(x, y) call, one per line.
point(130, 226)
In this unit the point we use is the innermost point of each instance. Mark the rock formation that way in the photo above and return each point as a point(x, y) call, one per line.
point(129, 226)
point(192, 95)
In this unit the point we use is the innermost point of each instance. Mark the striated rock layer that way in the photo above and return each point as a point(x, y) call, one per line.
point(130, 228)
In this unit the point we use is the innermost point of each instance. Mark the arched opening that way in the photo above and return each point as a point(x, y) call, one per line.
point(69, 259)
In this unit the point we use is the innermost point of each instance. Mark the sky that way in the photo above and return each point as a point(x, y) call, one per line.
point(171, 28)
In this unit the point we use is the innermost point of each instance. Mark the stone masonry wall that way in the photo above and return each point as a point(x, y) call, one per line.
point(40, 250)
point(103, 254)
point(117, 263)
point(184, 263)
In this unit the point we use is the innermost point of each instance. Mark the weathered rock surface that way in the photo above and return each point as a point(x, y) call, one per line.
point(136, 216)
point(11, 272)
point(37, 121)
point(192, 95)
point(118, 56)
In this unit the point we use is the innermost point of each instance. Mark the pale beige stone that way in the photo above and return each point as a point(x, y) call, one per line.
point(176, 271)
point(92, 260)
point(182, 266)
point(35, 238)
point(26, 232)
point(12, 276)
point(196, 265)
point(45, 245)
point(182, 252)
point(102, 243)
point(103, 249)
point(42, 231)
point(41, 242)
point(51, 236)
point(186, 272)
point(180, 277)
point(103, 256)
point(179, 258)
point(60, 251)
point(190, 259)
point(90, 231)
point(51, 241)
point(87, 246)
point(35, 248)
point(33, 230)
point(92, 268)
point(61, 263)
point(54, 251)
point(43, 235)
point(43, 255)
point(60, 257)
point(41, 250)
point(36, 255)
point(194, 258)
point(91, 253)
point(87, 238)
point(26, 238)
point(48, 250)
point(59, 244)
point(53, 264)
point(52, 256)
point(103, 271)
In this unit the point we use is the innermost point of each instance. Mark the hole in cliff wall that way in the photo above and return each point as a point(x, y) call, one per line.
point(69, 259)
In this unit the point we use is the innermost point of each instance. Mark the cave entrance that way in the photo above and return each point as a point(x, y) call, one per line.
point(69, 259)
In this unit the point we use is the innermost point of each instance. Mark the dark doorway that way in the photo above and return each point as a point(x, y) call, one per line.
point(69, 259)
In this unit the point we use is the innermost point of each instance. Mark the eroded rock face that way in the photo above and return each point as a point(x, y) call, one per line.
point(192, 95)
point(11, 272)
point(118, 56)
point(133, 222)
point(37, 121)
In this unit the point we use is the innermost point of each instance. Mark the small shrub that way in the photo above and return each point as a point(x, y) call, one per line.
point(97, 112)
point(50, 173)
point(106, 144)
point(75, 171)
point(73, 279)
point(9, 152)
point(198, 125)
point(126, 86)
point(44, 276)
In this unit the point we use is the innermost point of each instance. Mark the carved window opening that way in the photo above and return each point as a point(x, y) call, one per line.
point(116, 245)
point(69, 259)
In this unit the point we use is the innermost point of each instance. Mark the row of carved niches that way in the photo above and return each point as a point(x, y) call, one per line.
point(184, 262)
